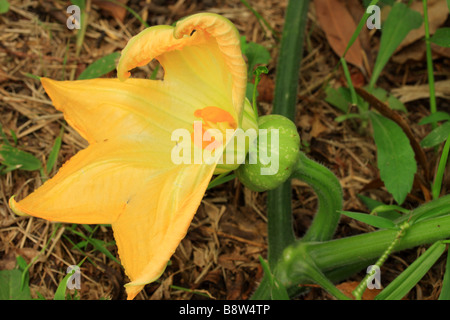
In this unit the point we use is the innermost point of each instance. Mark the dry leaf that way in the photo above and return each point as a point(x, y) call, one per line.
point(266, 88)
point(411, 93)
point(317, 126)
point(348, 287)
point(437, 14)
point(116, 10)
point(339, 26)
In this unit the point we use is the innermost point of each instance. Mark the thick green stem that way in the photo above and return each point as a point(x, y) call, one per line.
point(279, 211)
point(329, 194)
point(344, 253)
point(280, 227)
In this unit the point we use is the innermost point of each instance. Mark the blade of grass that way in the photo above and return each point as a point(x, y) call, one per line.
point(53, 156)
point(60, 293)
point(222, 178)
point(400, 21)
point(401, 285)
point(361, 24)
point(437, 184)
point(261, 19)
point(429, 61)
point(375, 221)
point(445, 290)
point(349, 81)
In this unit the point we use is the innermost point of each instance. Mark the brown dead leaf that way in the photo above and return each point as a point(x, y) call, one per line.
point(163, 290)
point(437, 14)
point(317, 126)
point(413, 47)
point(415, 92)
point(348, 287)
point(235, 287)
point(231, 260)
point(116, 10)
point(266, 88)
point(339, 26)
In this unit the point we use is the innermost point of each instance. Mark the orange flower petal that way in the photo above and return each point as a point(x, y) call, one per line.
point(96, 184)
point(156, 220)
point(208, 60)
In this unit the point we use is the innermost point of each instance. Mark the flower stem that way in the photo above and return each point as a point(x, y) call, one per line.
point(329, 193)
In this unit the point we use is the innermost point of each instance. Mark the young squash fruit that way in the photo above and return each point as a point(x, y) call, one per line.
point(280, 146)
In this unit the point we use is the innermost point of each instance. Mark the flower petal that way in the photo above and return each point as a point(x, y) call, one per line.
point(208, 59)
point(156, 220)
point(102, 109)
point(96, 184)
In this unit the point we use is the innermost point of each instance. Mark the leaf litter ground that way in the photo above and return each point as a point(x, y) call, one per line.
point(218, 259)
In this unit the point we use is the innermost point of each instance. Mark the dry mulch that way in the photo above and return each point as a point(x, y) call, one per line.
point(218, 259)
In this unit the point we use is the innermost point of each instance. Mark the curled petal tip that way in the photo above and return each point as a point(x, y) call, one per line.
point(13, 205)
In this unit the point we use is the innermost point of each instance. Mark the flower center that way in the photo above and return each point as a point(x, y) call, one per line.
point(212, 118)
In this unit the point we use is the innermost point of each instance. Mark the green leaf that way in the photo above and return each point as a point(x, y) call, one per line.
point(277, 289)
point(401, 285)
point(53, 156)
point(4, 6)
point(60, 293)
point(435, 117)
point(100, 67)
point(396, 104)
point(445, 290)
point(436, 136)
point(255, 53)
point(374, 221)
point(10, 286)
point(372, 204)
point(391, 101)
point(400, 21)
point(395, 157)
point(222, 178)
point(336, 98)
point(80, 3)
point(18, 159)
point(441, 37)
point(99, 245)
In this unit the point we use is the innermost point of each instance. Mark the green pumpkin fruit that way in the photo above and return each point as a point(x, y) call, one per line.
point(272, 158)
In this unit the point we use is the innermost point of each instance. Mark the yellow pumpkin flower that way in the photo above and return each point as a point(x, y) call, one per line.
point(126, 177)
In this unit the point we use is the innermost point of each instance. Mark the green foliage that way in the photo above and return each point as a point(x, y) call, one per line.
point(14, 158)
point(445, 290)
point(400, 21)
point(53, 156)
point(402, 284)
point(441, 37)
point(4, 6)
point(436, 136)
point(374, 221)
point(277, 289)
point(100, 67)
point(12, 286)
point(256, 55)
point(395, 157)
